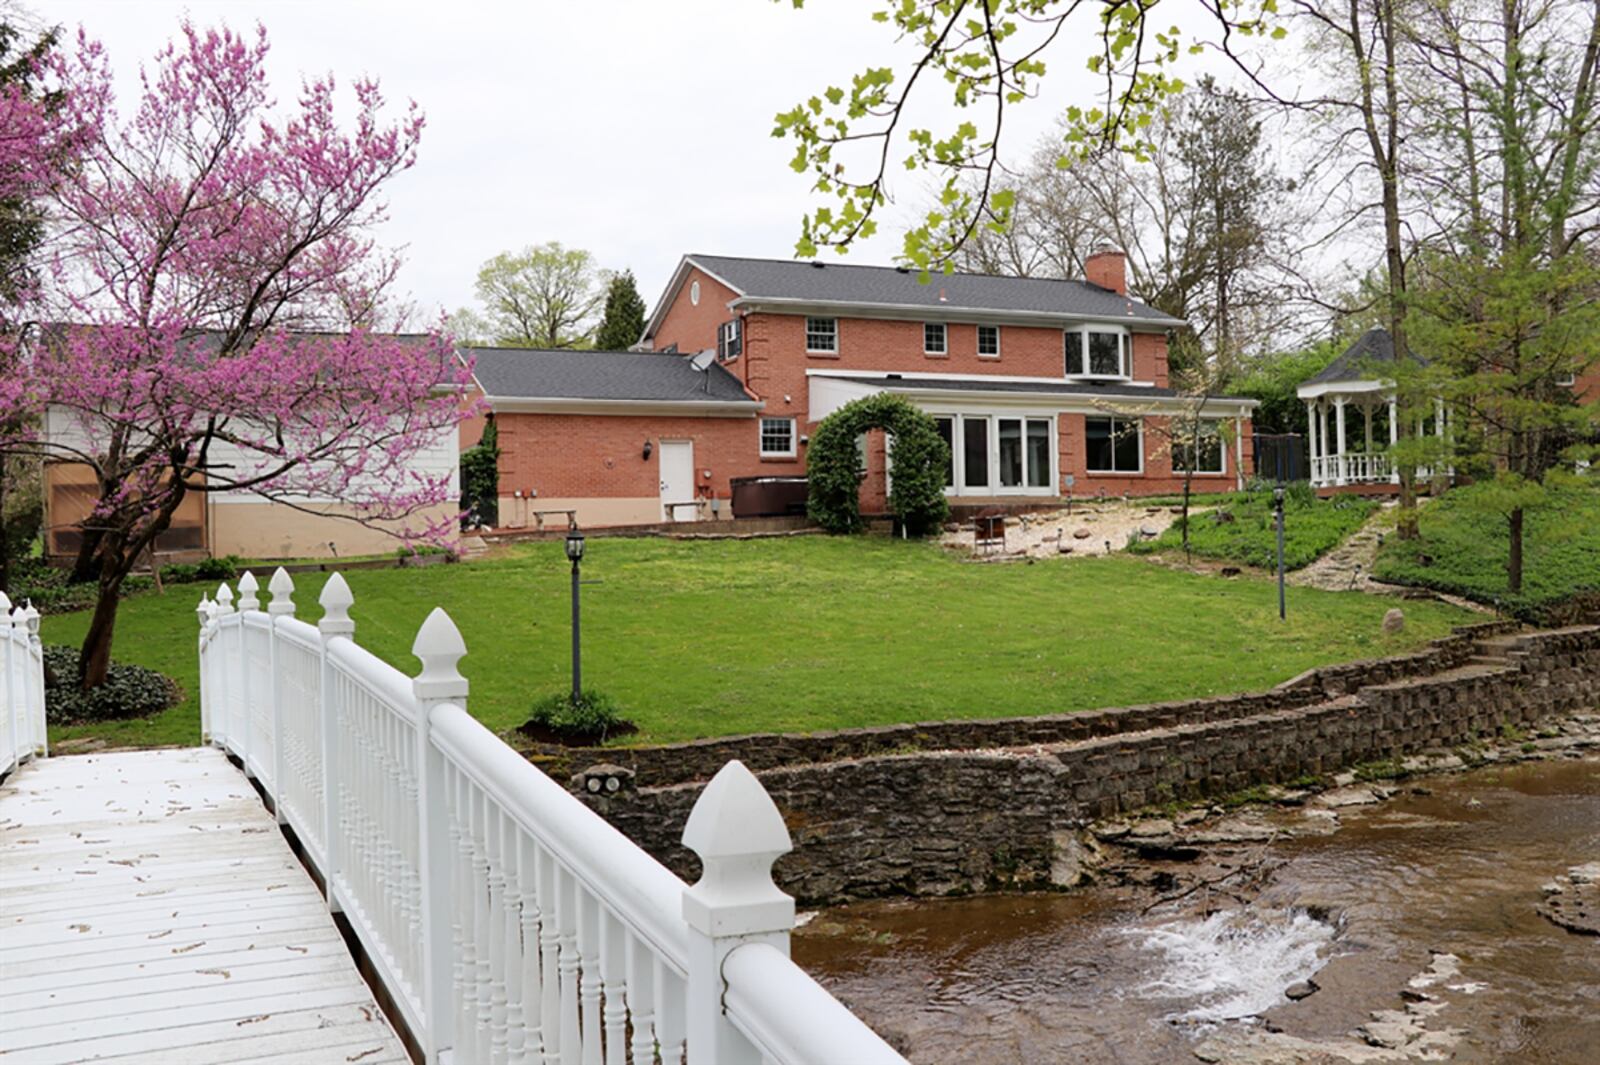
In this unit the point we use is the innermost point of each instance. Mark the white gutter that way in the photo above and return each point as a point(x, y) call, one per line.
point(575, 405)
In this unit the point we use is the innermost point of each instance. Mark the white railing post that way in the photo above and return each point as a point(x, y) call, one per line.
point(738, 833)
point(202, 613)
point(282, 606)
point(9, 682)
point(38, 729)
point(226, 681)
point(335, 624)
point(439, 647)
point(247, 603)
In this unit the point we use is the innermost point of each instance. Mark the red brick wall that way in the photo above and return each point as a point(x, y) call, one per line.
point(694, 327)
point(590, 455)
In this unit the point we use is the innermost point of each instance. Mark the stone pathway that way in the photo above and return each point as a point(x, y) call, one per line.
point(1349, 566)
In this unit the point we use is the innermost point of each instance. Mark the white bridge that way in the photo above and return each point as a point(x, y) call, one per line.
point(152, 911)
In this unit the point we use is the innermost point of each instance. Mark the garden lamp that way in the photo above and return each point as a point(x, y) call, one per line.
point(574, 545)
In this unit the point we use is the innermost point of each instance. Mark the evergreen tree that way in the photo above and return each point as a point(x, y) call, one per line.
point(623, 322)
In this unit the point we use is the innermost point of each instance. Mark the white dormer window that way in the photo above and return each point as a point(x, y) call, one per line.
point(1098, 351)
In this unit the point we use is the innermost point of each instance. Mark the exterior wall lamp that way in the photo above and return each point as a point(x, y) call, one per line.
point(649, 446)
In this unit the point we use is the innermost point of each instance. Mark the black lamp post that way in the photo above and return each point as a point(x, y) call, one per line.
point(1277, 507)
point(575, 553)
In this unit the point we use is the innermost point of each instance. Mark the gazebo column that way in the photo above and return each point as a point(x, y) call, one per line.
point(1311, 441)
point(1394, 438)
point(1339, 460)
point(1369, 467)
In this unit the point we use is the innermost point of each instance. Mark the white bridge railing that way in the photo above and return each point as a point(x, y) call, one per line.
point(508, 921)
point(22, 721)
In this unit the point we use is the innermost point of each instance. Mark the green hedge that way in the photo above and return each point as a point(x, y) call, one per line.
point(1241, 529)
point(918, 455)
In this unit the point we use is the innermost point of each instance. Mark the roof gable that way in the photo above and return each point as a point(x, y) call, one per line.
point(1375, 347)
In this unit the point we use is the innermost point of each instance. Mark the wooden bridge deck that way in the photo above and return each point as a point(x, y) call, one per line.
point(151, 911)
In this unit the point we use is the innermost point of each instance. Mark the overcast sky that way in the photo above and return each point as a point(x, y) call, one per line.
point(639, 129)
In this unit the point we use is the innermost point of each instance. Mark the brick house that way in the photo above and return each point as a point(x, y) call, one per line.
point(1042, 388)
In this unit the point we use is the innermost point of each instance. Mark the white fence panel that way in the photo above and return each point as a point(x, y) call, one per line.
point(23, 732)
point(508, 921)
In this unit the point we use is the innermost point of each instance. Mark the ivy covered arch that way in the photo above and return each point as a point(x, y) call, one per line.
point(918, 454)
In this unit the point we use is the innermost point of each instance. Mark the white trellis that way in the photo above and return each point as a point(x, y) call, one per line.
point(509, 922)
point(22, 720)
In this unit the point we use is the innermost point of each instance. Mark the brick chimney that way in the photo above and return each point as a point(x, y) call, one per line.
point(1108, 268)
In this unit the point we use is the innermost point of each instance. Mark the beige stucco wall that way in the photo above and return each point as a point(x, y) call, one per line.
point(594, 511)
point(270, 530)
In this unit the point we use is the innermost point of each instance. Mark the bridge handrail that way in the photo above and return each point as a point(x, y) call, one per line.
point(23, 734)
point(507, 920)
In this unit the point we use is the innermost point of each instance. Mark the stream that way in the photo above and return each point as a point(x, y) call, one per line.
point(1416, 921)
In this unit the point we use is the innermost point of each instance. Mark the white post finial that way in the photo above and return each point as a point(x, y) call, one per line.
point(200, 610)
point(336, 601)
point(737, 831)
point(224, 598)
point(5, 604)
point(30, 620)
point(247, 592)
point(282, 588)
point(439, 646)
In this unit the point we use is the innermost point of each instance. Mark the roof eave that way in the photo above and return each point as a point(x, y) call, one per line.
point(723, 408)
point(920, 312)
point(675, 283)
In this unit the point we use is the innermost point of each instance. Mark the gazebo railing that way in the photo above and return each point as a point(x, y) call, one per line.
point(509, 922)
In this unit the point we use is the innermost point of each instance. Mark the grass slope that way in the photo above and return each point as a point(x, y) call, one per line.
point(805, 633)
point(1463, 549)
point(1311, 528)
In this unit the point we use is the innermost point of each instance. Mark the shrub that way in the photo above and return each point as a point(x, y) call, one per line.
point(480, 479)
point(918, 453)
point(128, 691)
point(588, 719)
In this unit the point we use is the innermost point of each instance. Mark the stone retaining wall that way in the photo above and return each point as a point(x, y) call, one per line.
point(942, 822)
point(699, 760)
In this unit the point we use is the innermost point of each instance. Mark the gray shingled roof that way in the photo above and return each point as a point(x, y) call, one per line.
point(527, 373)
point(1373, 348)
point(846, 283)
point(1039, 388)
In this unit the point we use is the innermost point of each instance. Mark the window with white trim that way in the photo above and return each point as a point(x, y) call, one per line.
point(1113, 445)
point(1097, 351)
point(933, 338)
point(777, 438)
point(822, 335)
point(1204, 452)
point(1566, 380)
point(989, 341)
point(730, 340)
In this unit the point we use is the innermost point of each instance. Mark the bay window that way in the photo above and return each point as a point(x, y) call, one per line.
point(1098, 351)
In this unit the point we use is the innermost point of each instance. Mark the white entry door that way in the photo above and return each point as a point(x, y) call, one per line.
point(677, 481)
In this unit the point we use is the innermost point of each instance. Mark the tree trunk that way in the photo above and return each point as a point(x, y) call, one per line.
point(94, 656)
point(84, 566)
point(1514, 559)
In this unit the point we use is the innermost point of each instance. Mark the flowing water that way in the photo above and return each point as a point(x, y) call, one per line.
point(1423, 906)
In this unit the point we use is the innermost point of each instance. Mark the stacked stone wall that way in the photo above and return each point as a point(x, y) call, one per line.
point(943, 822)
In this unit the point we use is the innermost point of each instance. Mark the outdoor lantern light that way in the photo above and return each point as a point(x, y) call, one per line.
point(648, 447)
point(574, 545)
point(1277, 510)
point(575, 553)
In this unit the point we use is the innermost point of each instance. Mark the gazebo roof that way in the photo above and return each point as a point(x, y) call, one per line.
point(1375, 346)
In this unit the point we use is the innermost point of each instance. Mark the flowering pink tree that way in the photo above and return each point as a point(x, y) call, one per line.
point(213, 254)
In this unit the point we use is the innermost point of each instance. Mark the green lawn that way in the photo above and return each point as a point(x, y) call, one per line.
point(805, 633)
point(1311, 528)
point(1463, 549)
